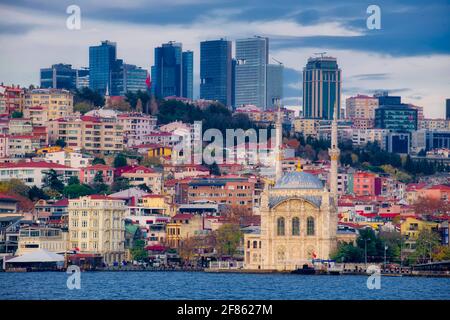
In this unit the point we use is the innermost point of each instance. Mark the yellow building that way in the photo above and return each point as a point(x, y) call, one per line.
point(410, 227)
point(36, 238)
point(306, 126)
point(157, 204)
point(96, 225)
point(159, 151)
point(182, 227)
point(56, 102)
point(138, 175)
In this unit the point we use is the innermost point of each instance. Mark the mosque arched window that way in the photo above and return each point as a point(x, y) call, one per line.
point(310, 227)
point(280, 226)
point(296, 226)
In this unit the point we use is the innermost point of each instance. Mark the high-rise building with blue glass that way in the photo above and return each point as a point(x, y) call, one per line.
point(188, 74)
point(59, 76)
point(216, 71)
point(127, 77)
point(252, 57)
point(321, 88)
point(274, 85)
point(167, 70)
point(102, 60)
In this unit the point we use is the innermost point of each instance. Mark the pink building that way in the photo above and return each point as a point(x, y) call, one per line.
point(88, 174)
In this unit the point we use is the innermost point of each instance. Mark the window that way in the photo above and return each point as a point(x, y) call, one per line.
point(280, 226)
point(310, 226)
point(296, 226)
point(255, 244)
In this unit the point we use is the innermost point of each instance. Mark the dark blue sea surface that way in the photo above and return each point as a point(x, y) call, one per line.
point(203, 286)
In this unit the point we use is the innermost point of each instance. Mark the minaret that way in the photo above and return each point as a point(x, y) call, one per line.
point(334, 154)
point(278, 143)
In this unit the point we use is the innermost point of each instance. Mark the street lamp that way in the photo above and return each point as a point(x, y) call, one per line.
point(385, 249)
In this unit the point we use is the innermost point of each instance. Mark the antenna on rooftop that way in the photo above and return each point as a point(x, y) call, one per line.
point(322, 54)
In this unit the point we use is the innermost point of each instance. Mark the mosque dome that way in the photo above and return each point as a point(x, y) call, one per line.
point(298, 180)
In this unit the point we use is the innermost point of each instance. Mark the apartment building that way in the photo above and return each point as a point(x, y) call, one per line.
point(135, 125)
point(94, 134)
point(97, 226)
point(57, 103)
point(233, 191)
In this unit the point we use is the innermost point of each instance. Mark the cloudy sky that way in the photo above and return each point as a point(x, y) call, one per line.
point(409, 56)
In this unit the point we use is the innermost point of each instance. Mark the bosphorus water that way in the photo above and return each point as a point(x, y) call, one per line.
point(205, 286)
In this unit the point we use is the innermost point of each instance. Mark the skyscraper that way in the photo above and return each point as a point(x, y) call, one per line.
point(102, 59)
point(274, 84)
point(127, 77)
point(447, 109)
point(321, 88)
point(59, 76)
point(252, 56)
point(216, 71)
point(167, 70)
point(188, 75)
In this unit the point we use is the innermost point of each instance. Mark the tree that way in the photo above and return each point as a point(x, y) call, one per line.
point(138, 251)
point(228, 237)
point(16, 114)
point(347, 252)
point(14, 186)
point(77, 190)
point(83, 107)
point(427, 242)
point(442, 253)
point(73, 180)
point(98, 184)
point(88, 96)
point(120, 161)
point(52, 181)
point(98, 161)
point(430, 206)
point(61, 143)
point(120, 184)
point(36, 193)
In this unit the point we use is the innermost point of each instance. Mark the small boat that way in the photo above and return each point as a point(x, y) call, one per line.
point(305, 270)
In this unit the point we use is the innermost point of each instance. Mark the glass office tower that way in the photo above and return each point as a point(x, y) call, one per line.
point(216, 71)
point(274, 85)
point(321, 88)
point(102, 59)
point(252, 56)
point(188, 74)
point(59, 76)
point(167, 70)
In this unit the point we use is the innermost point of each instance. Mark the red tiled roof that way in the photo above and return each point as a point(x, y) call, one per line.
point(34, 164)
point(61, 203)
point(182, 216)
point(134, 169)
point(98, 167)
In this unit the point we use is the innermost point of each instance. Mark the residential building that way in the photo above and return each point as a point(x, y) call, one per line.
point(34, 173)
point(308, 127)
point(364, 184)
point(68, 158)
point(21, 146)
point(182, 227)
point(138, 175)
point(57, 103)
point(11, 99)
point(321, 88)
point(361, 107)
point(216, 71)
point(135, 126)
point(37, 115)
point(97, 225)
point(38, 238)
point(88, 174)
point(232, 191)
point(252, 57)
point(94, 134)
